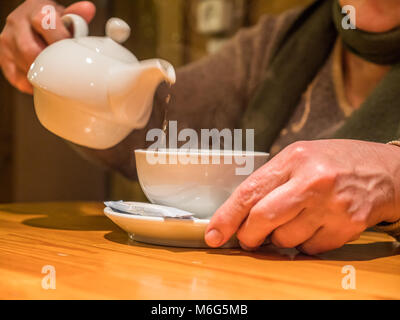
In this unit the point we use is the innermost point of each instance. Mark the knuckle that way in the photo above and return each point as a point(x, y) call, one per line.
point(325, 172)
point(298, 149)
point(263, 215)
point(248, 193)
point(36, 20)
point(11, 19)
point(326, 175)
point(323, 176)
point(277, 175)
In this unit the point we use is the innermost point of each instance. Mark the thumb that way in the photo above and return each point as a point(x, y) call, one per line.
point(85, 9)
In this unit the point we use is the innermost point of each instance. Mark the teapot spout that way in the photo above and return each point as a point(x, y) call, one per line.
point(159, 68)
point(131, 89)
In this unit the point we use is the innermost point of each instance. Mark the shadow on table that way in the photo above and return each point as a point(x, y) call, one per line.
point(86, 217)
point(66, 216)
point(349, 252)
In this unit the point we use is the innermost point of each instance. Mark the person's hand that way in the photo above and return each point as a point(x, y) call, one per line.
point(315, 196)
point(23, 37)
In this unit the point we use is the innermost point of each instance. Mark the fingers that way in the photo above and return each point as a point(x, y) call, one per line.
point(234, 211)
point(29, 28)
point(40, 20)
point(277, 208)
point(85, 9)
point(27, 47)
point(41, 23)
point(325, 239)
point(16, 77)
point(27, 34)
point(12, 73)
point(298, 230)
point(18, 53)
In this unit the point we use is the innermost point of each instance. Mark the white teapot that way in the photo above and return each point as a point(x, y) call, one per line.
point(91, 90)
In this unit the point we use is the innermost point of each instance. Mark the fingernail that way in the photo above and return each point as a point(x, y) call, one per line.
point(214, 238)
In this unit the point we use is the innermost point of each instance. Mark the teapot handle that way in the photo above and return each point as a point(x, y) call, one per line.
point(79, 25)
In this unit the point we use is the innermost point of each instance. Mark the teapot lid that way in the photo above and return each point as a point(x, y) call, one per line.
point(66, 66)
point(107, 47)
point(116, 30)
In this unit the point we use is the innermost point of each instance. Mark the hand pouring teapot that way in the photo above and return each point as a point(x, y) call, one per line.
point(91, 90)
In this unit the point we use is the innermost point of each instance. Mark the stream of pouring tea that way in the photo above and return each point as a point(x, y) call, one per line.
point(165, 121)
point(164, 141)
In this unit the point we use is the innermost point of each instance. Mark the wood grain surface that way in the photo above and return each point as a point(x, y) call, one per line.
point(94, 259)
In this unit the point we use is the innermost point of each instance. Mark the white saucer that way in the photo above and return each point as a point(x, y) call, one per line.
point(187, 233)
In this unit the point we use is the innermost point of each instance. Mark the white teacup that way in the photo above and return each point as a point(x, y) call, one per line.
point(198, 181)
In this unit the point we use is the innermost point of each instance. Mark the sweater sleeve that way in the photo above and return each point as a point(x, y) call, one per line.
point(210, 93)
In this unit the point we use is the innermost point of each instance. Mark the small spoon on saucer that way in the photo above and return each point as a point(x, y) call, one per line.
point(148, 210)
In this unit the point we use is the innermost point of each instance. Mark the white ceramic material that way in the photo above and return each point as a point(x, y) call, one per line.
point(91, 90)
point(167, 232)
point(197, 188)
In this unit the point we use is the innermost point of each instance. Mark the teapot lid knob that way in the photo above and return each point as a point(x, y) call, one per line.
point(118, 30)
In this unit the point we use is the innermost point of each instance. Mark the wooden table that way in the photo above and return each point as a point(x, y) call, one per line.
point(94, 259)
